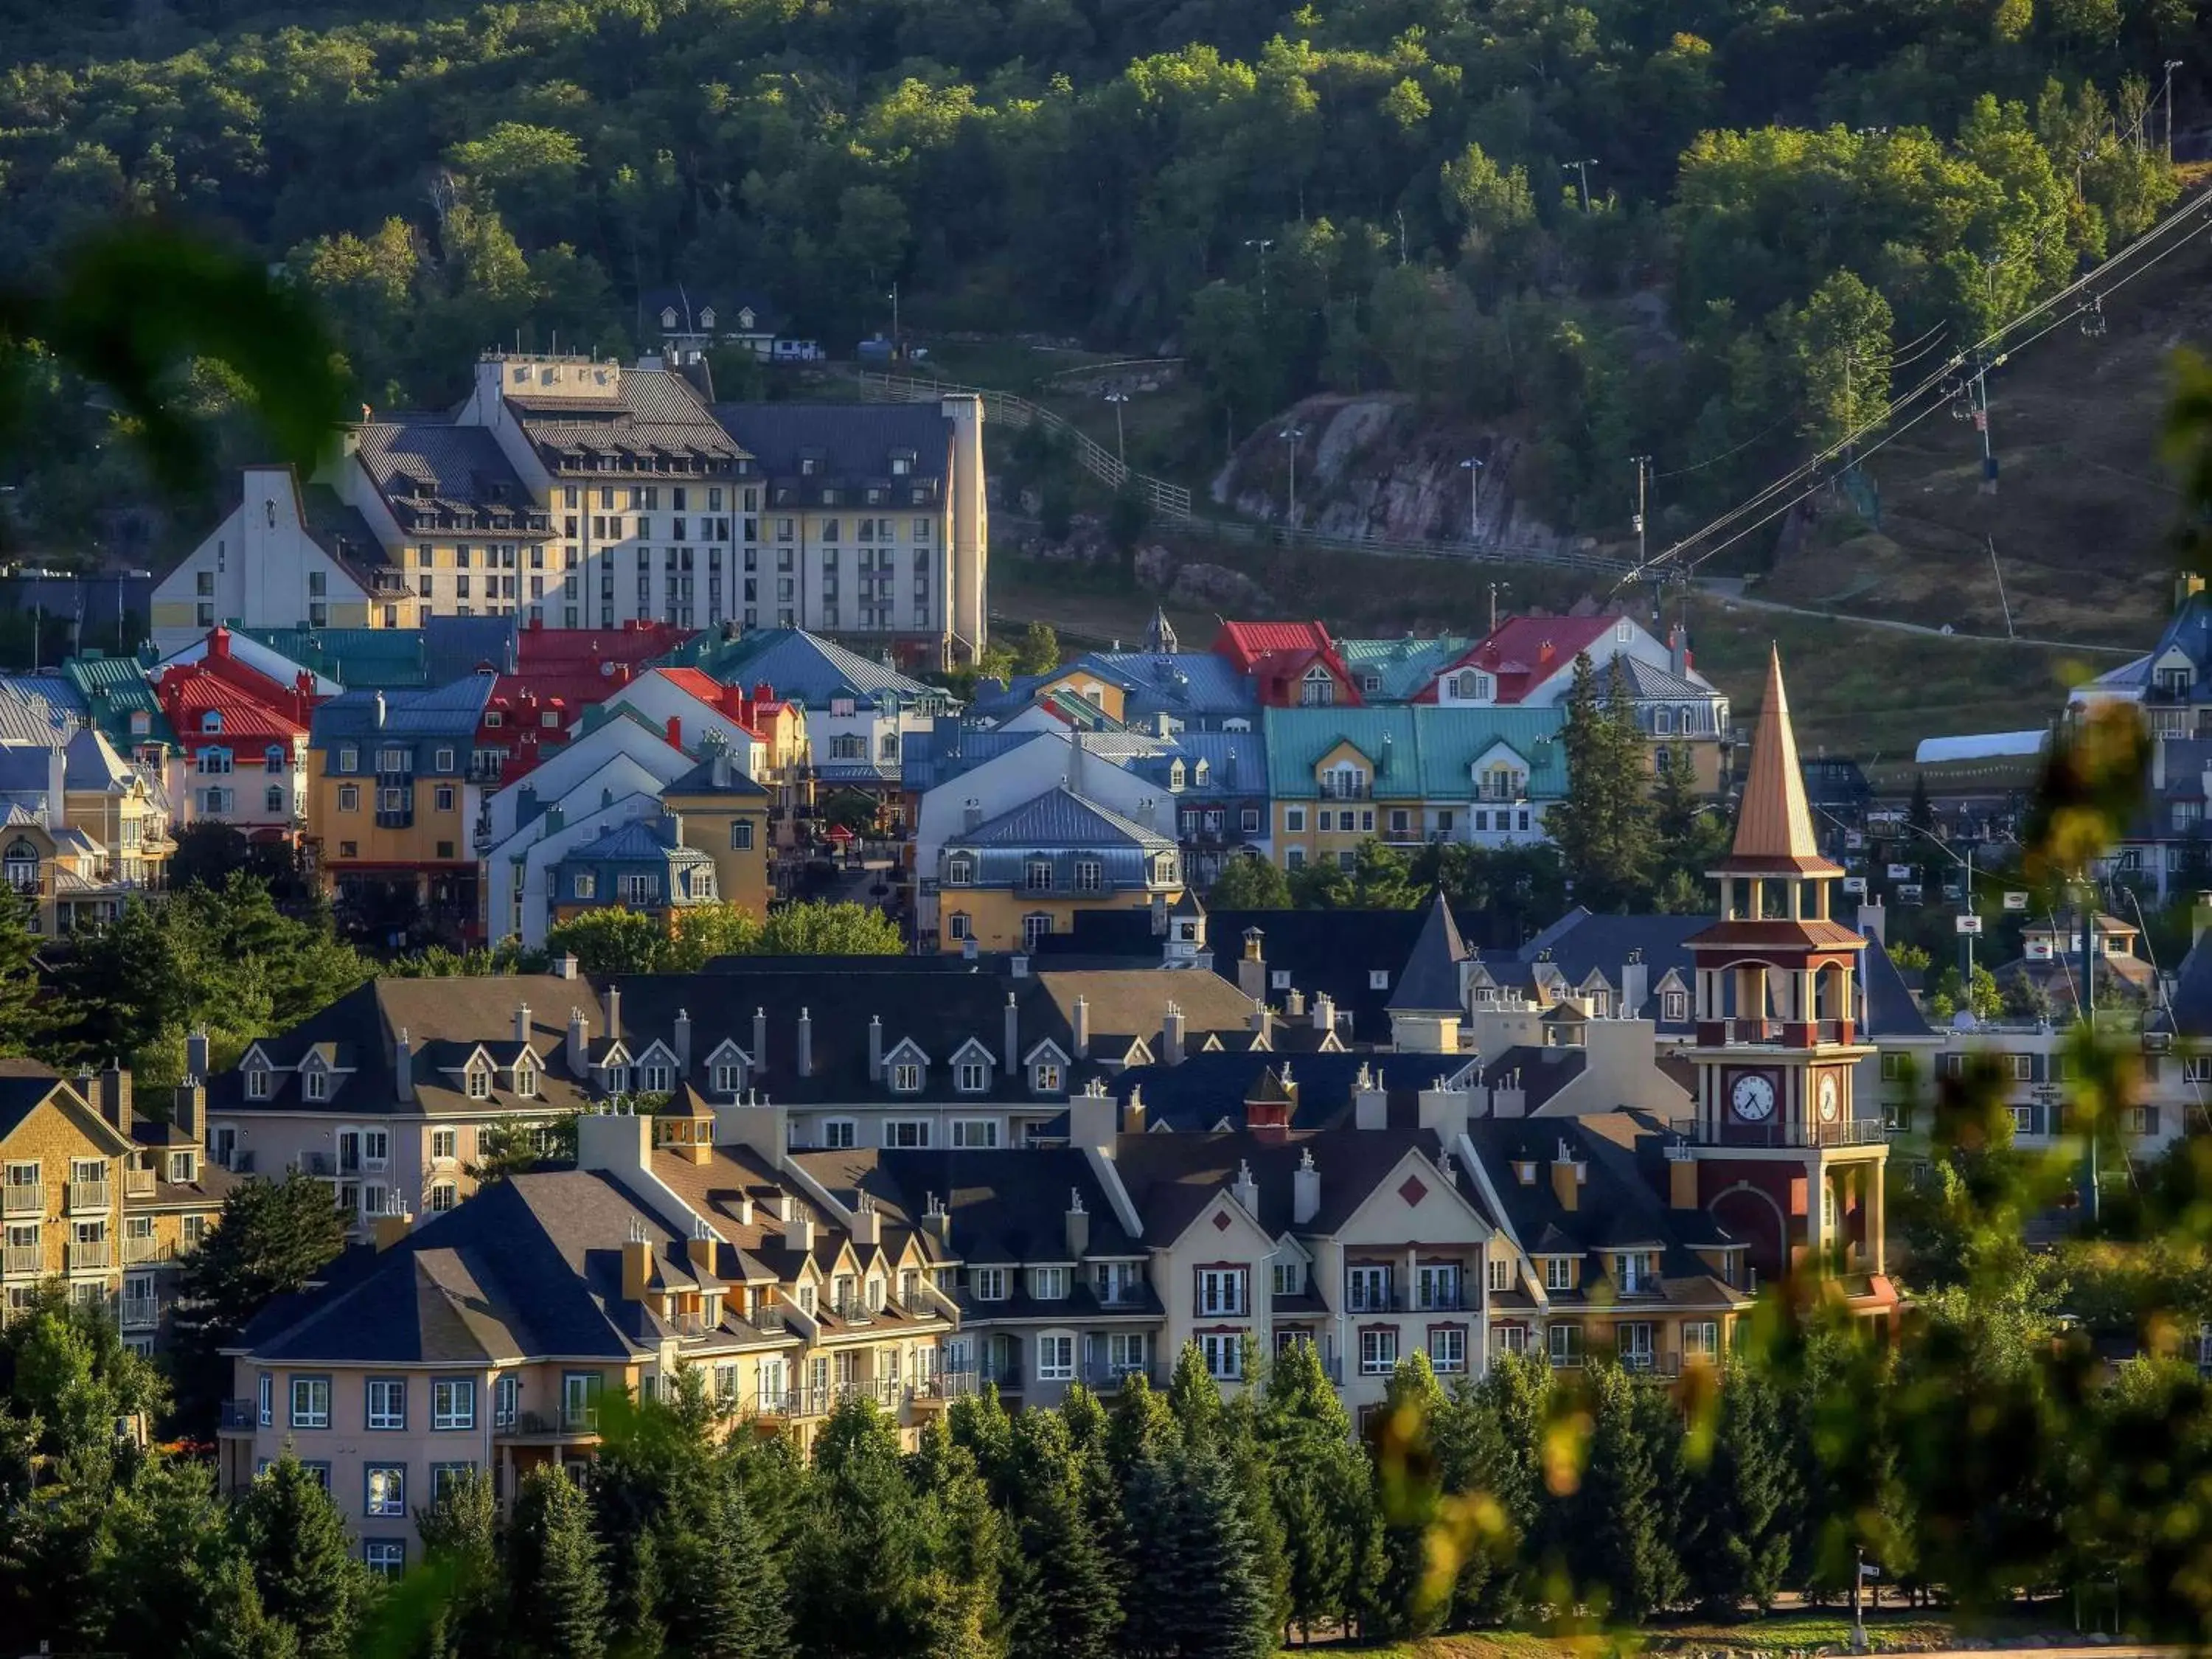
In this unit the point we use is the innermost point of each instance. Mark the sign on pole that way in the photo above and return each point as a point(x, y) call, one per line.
point(1970, 923)
point(1900, 872)
point(2015, 900)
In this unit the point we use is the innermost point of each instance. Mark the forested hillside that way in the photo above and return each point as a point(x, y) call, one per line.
point(1783, 195)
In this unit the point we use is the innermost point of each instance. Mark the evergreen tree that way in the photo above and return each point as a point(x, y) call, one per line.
point(1745, 1512)
point(1408, 1489)
point(1061, 1602)
point(1143, 1426)
point(271, 1237)
point(1202, 1593)
point(1603, 828)
point(170, 1578)
point(1195, 1399)
point(1617, 1539)
point(460, 1540)
point(732, 1605)
point(1512, 1404)
point(557, 1588)
point(27, 1016)
point(302, 1557)
point(1322, 1496)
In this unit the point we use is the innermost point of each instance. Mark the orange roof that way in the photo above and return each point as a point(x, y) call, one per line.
point(1774, 824)
point(699, 683)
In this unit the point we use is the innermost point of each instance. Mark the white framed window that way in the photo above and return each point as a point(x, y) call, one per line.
point(384, 1557)
point(387, 1402)
point(1676, 1006)
point(906, 1079)
point(1048, 1284)
point(1558, 1273)
point(315, 1085)
point(1367, 1288)
point(1501, 1272)
point(453, 1403)
point(1567, 1345)
point(1701, 1339)
point(1631, 1271)
point(1222, 1290)
point(974, 1133)
point(479, 1083)
point(973, 1077)
point(1437, 1286)
point(445, 1143)
point(311, 1402)
point(1056, 1356)
point(1288, 1278)
point(840, 1133)
point(443, 1196)
point(906, 1132)
point(257, 1082)
point(1378, 1351)
point(653, 1078)
point(729, 1078)
point(1126, 1352)
point(1448, 1348)
point(987, 1284)
point(1225, 1355)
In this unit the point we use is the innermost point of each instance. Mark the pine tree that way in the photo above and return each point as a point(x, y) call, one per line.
point(1195, 1399)
point(271, 1237)
point(303, 1561)
point(1603, 827)
point(1143, 1426)
point(1322, 1496)
point(1617, 1540)
point(557, 1590)
point(169, 1576)
point(1745, 1511)
point(1408, 1488)
point(1203, 1595)
point(1061, 1600)
point(27, 1013)
point(733, 1607)
point(460, 1539)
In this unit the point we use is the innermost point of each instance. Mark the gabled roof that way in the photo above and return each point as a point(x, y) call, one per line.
point(1061, 818)
point(1429, 983)
point(1419, 751)
point(448, 711)
point(803, 668)
point(1523, 652)
point(1185, 685)
point(850, 444)
point(655, 411)
point(1405, 667)
point(40, 708)
point(426, 467)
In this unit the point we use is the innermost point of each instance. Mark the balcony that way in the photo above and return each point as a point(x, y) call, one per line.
point(90, 1256)
point(90, 1195)
point(1652, 1364)
point(945, 1385)
point(548, 1425)
point(886, 1393)
point(22, 1260)
point(29, 1198)
point(1347, 789)
point(142, 1313)
point(239, 1417)
point(1104, 1375)
point(137, 1183)
point(1853, 1132)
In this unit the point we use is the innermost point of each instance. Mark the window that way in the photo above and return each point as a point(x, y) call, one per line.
point(1035, 927)
point(1448, 1348)
point(478, 1082)
point(257, 1082)
point(1056, 1355)
point(445, 1479)
point(579, 1399)
point(1558, 1273)
point(1676, 1006)
point(1701, 1339)
point(653, 1078)
point(387, 1402)
point(906, 1079)
point(267, 1401)
point(741, 836)
point(1566, 1344)
point(972, 1076)
point(1048, 1284)
point(837, 1133)
point(1225, 1355)
point(1089, 875)
point(987, 1284)
point(443, 1196)
point(445, 1143)
point(959, 870)
point(974, 1133)
point(505, 1401)
point(1501, 1273)
point(1294, 819)
point(384, 1557)
point(1289, 1278)
point(387, 1489)
point(1368, 1289)
point(906, 1131)
point(1037, 876)
point(311, 1402)
point(349, 798)
point(1632, 1273)
point(1044, 1078)
point(586, 884)
point(1221, 1290)
point(453, 1403)
point(1438, 1286)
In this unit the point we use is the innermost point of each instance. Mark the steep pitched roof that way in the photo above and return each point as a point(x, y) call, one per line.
point(804, 668)
point(849, 444)
point(1060, 818)
point(1429, 983)
point(1523, 652)
point(1774, 826)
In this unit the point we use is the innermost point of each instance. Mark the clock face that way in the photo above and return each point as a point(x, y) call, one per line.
point(1831, 1099)
point(1753, 1098)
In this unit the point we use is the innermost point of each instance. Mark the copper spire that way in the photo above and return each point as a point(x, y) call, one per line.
point(1774, 825)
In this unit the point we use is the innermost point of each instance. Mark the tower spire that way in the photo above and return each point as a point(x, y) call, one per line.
point(1774, 823)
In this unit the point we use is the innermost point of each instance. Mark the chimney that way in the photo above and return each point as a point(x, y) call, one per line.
point(1371, 1104)
point(388, 1230)
point(1132, 1111)
point(1635, 985)
point(195, 1055)
point(875, 1047)
point(1171, 1036)
point(189, 1109)
point(936, 1222)
point(683, 1041)
point(1262, 1020)
point(798, 1229)
point(868, 1227)
point(1093, 1119)
point(760, 1039)
point(1305, 1190)
point(806, 1043)
point(1294, 1004)
point(1079, 1224)
point(565, 966)
point(1324, 1012)
point(1443, 1112)
point(1874, 920)
point(675, 731)
point(1252, 968)
point(1245, 1190)
point(1678, 651)
point(1682, 1181)
point(1567, 1177)
point(1019, 965)
point(1081, 1022)
point(218, 645)
point(1012, 1034)
point(698, 1248)
point(578, 1045)
point(636, 1265)
point(115, 1100)
point(402, 1067)
point(522, 1022)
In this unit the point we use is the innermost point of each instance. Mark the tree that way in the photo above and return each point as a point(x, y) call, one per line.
point(1618, 1541)
point(1039, 650)
point(610, 940)
point(460, 1543)
point(1319, 1484)
point(733, 1607)
point(1413, 1599)
point(1603, 827)
point(27, 1017)
point(831, 930)
point(1204, 1595)
point(302, 1558)
point(704, 932)
point(1249, 882)
point(207, 853)
point(271, 1237)
point(1744, 1513)
point(169, 1575)
point(70, 1378)
point(1061, 1598)
point(557, 1590)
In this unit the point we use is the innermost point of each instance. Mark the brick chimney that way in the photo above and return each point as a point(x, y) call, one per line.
point(115, 1099)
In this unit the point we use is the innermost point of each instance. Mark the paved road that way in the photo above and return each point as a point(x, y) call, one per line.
point(1729, 591)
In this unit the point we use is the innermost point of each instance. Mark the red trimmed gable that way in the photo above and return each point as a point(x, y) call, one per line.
point(1527, 651)
point(1276, 656)
point(190, 692)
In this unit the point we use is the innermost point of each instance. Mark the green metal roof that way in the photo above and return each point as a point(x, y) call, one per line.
point(1405, 666)
point(1419, 751)
point(114, 689)
point(360, 659)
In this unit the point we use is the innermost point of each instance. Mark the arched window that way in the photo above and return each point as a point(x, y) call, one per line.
point(211, 721)
point(272, 799)
point(272, 758)
point(20, 865)
point(1662, 721)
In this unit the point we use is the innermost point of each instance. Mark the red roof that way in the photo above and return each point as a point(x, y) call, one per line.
point(1277, 657)
point(1245, 643)
point(1526, 650)
point(191, 692)
point(540, 649)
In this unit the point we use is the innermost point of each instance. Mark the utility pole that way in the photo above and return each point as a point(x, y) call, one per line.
point(1262, 243)
point(893, 297)
point(1291, 434)
point(2172, 64)
point(1858, 1591)
point(1977, 398)
point(2089, 1021)
point(1581, 170)
point(1966, 939)
point(2010, 632)
point(1120, 456)
point(1401, 214)
point(1496, 589)
point(1643, 479)
point(1473, 468)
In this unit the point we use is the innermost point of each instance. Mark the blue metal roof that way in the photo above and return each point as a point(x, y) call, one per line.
point(1418, 750)
point(1185, 685)
point(1060, 818)
point(447, 711)
point(802, 668)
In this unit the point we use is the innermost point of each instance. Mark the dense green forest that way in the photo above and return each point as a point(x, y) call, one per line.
point(1781, 195)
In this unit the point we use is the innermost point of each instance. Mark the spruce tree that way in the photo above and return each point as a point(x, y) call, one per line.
point(1195, 1399)
point(460, 1540)
point(302, 1558)
point(1322, 1496)
point(1603, 828)
point(27, 1013)
point(732, 1606)
point(557, 1588)
point(1143, 1426)
point(1061, 1601)
point(1617, 1540)
point(1202, 1593)
point(1408, 1491)
point(1745, 1509)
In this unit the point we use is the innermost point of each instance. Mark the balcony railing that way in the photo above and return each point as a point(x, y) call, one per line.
point(22, 1260)
point(1104, 1374)
point(1345, 789)
point(945, 1385)
point(239, 1417)
point(549, 1424)
point(141, 1313)
point(138, 1251)
point(24, 1199)
point(90, 1256)
point(90, 1195)
point(883, 1392)
point(1852, 1132)
point(138, 1183)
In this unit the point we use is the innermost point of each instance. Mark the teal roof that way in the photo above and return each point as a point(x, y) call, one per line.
point(114, 689)
point(1405, 666)
point(1419, 751)
point(360, 659)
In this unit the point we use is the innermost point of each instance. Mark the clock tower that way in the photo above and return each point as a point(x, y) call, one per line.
point(1784, 1160)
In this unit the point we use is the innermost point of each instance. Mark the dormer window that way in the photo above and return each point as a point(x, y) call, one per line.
point(875, 1294)
point(525, 1080)
point(1048, 1284)
point(1317, 689)
point(906, 1077)
point(842, 1294)
point(315, 1085)
point(212, 720)
point(1037, 875)
point(1164, 869)
point(655, 1079)
point(959, 870)
point(180, 1168)
point(257, 1082)
point(729, 1078)
point(900, 465)
point(668, 316)
point(1176, 777)
point(987, 1284)
point(707, 317)
point(973, 1077)
point(478, 1082)
point(1044, 1077)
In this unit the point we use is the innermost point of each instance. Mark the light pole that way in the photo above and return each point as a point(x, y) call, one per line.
point(1643, 479)
point(893, 297)
point(1581, 170)
point(2172, 64)
point(1262, 243)
point(1473, 468)
point(1858, 1614)
point(1496, 589)
point(1291, 434)
point(1120, 457)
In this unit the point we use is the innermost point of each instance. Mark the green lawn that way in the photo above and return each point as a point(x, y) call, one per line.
point(1754, 1638)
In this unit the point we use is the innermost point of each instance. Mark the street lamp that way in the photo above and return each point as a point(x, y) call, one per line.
point(1262, 243)
point(1581, 170)
point(2172, 64)
point(1496, 589)
point(1121, 459)
point(1473, 468)
point(893, 297)
point(1291, 434)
